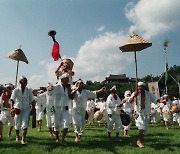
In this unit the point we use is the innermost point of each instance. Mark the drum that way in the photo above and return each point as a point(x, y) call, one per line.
point(125, 119)
point(98, 115)
point(174, 109)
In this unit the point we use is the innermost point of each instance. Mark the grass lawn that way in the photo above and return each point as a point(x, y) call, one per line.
point(158, 140)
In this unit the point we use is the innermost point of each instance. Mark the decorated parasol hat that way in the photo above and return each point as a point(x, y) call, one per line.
point(133, 44)
point(17, 55)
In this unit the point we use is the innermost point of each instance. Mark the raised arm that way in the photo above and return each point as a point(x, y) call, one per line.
point(133, 96)
point(103, 89)
point(57, 70)
point(73, 91)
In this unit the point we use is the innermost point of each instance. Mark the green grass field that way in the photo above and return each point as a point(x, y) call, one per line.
point(158, 140)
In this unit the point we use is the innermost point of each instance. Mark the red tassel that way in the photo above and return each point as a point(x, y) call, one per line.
point(56, 51)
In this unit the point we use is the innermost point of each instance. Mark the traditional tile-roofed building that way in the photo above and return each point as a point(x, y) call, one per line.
point(120, 78)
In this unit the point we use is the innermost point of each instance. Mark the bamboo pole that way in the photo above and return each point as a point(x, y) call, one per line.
point(17, 69)
point(135, 57)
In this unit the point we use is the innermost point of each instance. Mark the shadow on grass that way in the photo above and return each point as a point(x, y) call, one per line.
point(104, 143)
point(88, 143)
point(12, 144)
point(162, 141)
point(96, 139)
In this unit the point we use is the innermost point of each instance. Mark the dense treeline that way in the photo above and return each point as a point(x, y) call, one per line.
point(172, 84)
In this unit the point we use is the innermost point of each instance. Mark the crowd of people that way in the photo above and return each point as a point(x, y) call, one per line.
point(67, 104)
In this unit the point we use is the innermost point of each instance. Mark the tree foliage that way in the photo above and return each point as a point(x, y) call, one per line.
point(172, 84)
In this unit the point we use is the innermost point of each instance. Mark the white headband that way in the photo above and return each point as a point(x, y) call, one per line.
point(165, 95)
point(113, 88)
point(65, 75)
point(22, 77)
point(141, 84)
point(80, 80)
point(9, 85)
point(128, 92)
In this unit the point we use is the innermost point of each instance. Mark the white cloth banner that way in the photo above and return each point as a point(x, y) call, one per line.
point(154, 88)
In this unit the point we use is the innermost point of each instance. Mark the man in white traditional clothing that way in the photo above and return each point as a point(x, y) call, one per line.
point(153, 114)
point(159, 109)
point(176, 114)
point(62, 93)
point(128, 108)
point(113, 105)
point(21, 101)
point(80, 96)
point(165, 110)
point(40, 106)
point(5, 114)
point(66, 67)
point(102, 106)
point(142, 100)
point(90, 110)
point(50, 110)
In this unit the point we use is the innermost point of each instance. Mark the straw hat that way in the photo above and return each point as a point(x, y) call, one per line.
point(69, 62)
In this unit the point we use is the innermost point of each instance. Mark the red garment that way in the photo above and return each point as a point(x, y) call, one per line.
point(5, 96)
point(56, 51)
